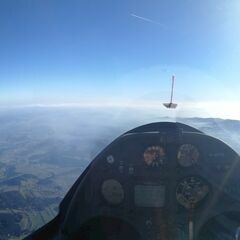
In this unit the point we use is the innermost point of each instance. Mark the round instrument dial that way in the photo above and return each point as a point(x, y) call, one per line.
point(188, 155)
point(190, 191)
point(110, 159)
point(112, 191)
point(154, 156)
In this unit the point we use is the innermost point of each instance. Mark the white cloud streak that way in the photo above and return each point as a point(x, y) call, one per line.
point(146, 19)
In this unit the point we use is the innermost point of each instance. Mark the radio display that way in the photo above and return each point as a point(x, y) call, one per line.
point(149, 195)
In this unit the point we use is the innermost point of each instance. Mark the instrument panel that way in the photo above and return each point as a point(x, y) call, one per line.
point(149, 187)
point(190, 191)
point(159, 180)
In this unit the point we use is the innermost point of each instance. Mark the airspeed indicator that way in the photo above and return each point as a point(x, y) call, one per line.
point(112, 191)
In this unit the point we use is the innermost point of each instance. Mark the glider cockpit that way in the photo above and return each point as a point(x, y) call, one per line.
point(161, 181)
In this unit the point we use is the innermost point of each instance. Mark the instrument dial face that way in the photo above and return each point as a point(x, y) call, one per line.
point(188, 155)
point(190, 191)
point(154, 156)
point(112, 191)
point(110, 159)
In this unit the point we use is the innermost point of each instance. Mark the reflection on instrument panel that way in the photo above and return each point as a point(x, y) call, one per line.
point(188, 155)
point(225, 226)
point(190, 191)
point(112, 191)
point(154, 156)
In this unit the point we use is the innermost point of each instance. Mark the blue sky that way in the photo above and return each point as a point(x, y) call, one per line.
point(66, 51)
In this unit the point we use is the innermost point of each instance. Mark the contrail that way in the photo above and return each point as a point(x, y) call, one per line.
point(146, 19)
